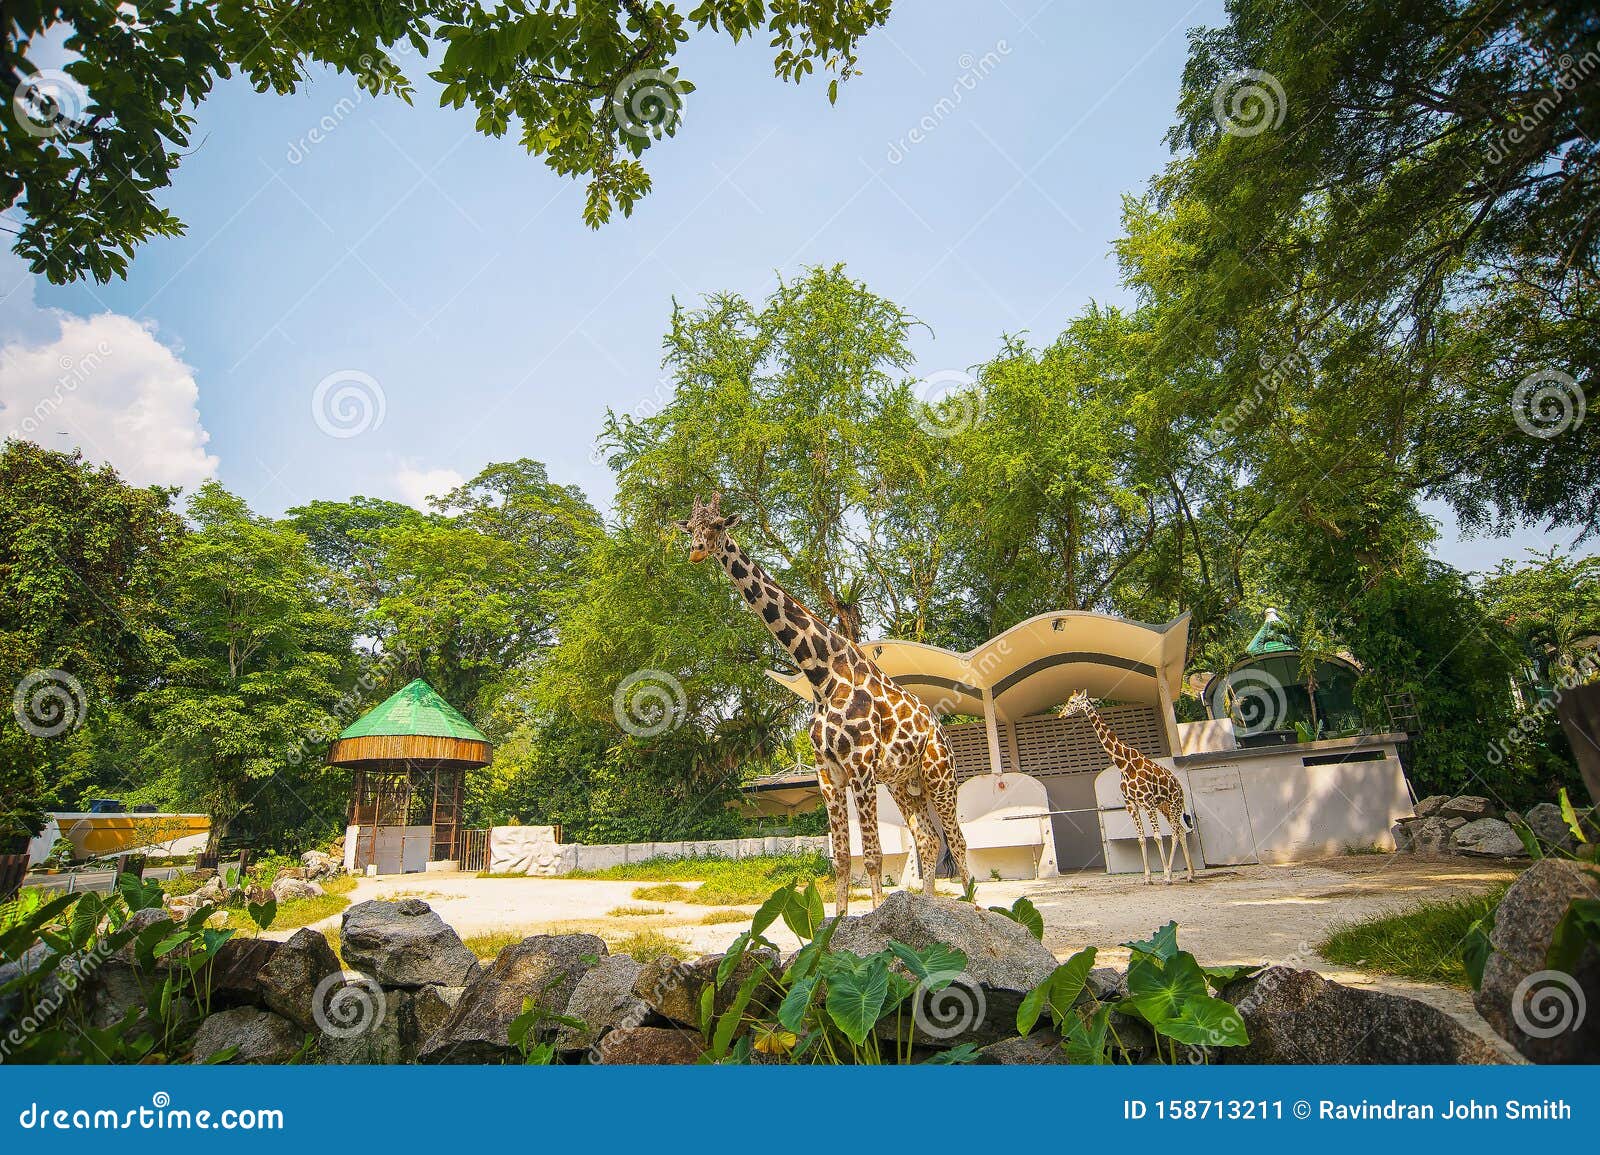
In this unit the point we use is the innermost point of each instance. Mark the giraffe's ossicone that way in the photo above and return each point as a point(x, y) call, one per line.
point(866, 729)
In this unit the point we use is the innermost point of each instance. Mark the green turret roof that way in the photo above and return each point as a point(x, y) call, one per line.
point(1272, 638)
point(414, 709)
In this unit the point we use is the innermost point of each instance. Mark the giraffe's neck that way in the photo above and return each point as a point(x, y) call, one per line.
point(1108, 737)
point(808, 640)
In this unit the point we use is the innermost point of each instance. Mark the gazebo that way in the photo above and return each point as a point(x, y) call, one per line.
point(1276, 687)
point(410, 756)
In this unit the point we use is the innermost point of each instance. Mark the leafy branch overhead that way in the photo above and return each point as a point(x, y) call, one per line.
point(590, 86)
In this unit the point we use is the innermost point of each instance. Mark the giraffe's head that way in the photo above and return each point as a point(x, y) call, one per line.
point(707, 527)
point(1079, 703)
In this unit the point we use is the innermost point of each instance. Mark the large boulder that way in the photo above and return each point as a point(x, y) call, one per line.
point(673, 989)
point(425, 1012)
point(235, 970)
point(1431, 805)
point(1297, 1016)
point(1040, 1049)
point(1468, 806)
point(603, 1001)
point(113, 989)
point(363, 1024)
point(259, 1036)
point(286, 888)
point(1435, 835)
point(1004, 962)
point(291, 980)
point(1549, 827)
point(318, 865)
point(1550, 1016)
point(1405, 832)
point(1488, 838)
point(651, 1046)
point(405, 944)
point(545, 968)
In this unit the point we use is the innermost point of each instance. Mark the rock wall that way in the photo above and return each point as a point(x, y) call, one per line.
point(534, 850)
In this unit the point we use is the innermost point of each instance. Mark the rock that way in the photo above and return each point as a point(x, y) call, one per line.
point(1431, 805)
point(673, 989)
point(1488, 838)
point(1040, 1049)
point(1468, 806)
point(1297, 1016)
point(212, 893)
point(1549, 827)
point(290, 872)
point(1404, 833)
point(1004, 962)
point(1107, 984)
point(545, 968)
point(139, 922)
point(425, 1012)
point(286, 888)
point(293, 975)
point(260, 1036)
point(364, 1024)
point(1550, 1016)
point(235, 969)
point(318, 865)
point(1432, 836)
point(652, 1046)
point(404, 944)
point(12, 1006)
point(604, 1001)
point(112, 990)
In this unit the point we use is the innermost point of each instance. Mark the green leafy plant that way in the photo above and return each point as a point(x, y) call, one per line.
point(1024, 913)
point(1168, 991)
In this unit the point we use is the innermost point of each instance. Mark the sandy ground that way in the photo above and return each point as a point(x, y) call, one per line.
point(1248, 914)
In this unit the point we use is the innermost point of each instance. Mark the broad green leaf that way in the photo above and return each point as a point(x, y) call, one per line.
point(1579, 927)
point(1161, 945)
point(939, 962)
point(1086, 1038)
point(85, 919)
point(1067, 981)
point(964, 1053)
point(729, 1022)
point(1220, 977)
point(1024, 913)
point(770, 910)
point(1032, 1006)
point(804, 912)
point(1206, 1022)
point(792, 1011)
point(1570, 817)
point(262, 913)
point(730, 959)
point(855, 998)
point(15, 942)
point(1159, 992)
point(1476, 949)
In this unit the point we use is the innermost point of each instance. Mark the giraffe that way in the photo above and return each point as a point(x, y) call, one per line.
point(1149, 790)
point(866, 729)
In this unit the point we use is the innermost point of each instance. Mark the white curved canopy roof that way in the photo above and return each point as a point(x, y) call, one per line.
point(1036, 664)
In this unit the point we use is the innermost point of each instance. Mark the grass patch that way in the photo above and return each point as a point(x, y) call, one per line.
point(492, 942)
point(645, 945)
point(1423, 943)
point(717, 917)
point(726, 881)
point(298, 912)
point(633, 911)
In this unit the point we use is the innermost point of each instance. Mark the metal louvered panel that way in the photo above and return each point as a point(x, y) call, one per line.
point(1050, 745)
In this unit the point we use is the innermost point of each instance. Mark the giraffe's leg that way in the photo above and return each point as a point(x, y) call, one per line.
point(1188, 863)
point(833, 798)
point(864, 786)
point(1138, 825)
point(922, 832)
point(939, 781)
point(1169, 854)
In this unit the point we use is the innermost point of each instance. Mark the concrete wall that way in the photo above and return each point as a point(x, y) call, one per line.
point(533, 850)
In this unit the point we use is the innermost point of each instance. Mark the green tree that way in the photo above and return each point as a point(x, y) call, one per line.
point(588, 85)
point(239, 716)
point(82, 557)
point(1551, 604)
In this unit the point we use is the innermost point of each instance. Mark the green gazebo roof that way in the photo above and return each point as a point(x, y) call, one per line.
point(415, 710)
point(1272, 638)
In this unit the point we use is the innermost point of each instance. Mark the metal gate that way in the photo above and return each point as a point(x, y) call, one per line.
point(473, 853)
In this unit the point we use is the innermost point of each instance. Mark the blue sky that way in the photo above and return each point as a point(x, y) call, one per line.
point(337, 236)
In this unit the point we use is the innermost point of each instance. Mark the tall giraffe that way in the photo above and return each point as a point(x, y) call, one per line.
point(865, 728)
point(1149, 790)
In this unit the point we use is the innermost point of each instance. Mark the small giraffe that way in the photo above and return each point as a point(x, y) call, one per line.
point(1149, 790)
point(865, 728)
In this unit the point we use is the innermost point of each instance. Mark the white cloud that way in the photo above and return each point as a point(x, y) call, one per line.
point(416, 485)
point(106, 385)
